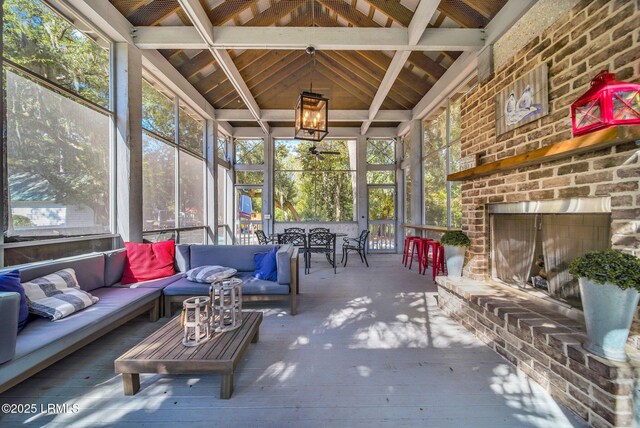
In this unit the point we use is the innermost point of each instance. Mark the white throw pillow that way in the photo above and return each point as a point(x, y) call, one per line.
point(57, 295)
point(209, 274)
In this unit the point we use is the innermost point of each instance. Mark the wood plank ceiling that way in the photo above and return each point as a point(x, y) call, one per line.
point(275, 78)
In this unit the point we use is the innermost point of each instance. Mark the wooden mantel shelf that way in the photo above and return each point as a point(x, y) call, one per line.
point(586, 143)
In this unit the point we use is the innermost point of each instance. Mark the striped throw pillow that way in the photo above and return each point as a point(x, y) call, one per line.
point(57, 295)
point(209, 274)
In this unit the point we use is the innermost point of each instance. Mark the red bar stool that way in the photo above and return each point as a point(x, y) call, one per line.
point(419, 245)
point(435, 248)
point(440, 264)
point(407, 246)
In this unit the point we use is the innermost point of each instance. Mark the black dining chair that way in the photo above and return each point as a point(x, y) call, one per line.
point(321, 243)
point(296, 239)
point(295, 230)
point(262, 238)
point(319, 229)
point(358, 244)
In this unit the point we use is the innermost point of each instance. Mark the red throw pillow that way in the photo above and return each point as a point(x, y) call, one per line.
point(148, 261)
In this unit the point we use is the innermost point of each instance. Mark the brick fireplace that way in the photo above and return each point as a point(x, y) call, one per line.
point(540, 338)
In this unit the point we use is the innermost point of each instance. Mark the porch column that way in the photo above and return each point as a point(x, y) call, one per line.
point(211, 147)
point(417, 196)
point(400, 196)
point(128, 153)
point(361, 183)
point(267, 187)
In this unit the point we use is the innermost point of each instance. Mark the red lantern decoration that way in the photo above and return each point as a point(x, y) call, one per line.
point(609, 102)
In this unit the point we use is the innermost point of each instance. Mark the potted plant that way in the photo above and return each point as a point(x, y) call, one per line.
point(609, 284)
point(455, 244)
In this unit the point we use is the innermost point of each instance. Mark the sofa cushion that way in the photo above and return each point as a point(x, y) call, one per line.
point(254, 286)
point(114, 304)
point(148, 261)
point(209, 274)
point(266, 266)
point(89, 270)
point(239, 257)
point(250, 286)
point(184, 287)
point(283, 257)
point(11, 282)
point(114, 262)
point(182, 257)
point(157, 284)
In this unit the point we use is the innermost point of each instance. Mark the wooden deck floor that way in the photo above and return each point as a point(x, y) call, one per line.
point(368, 348)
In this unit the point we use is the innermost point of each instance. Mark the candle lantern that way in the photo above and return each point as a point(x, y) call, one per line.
point(195, 319)
point(609, 102)
point(312, 111)
point(226, 303)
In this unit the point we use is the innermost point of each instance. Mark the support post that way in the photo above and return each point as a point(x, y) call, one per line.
point(128, 108)
point(268, 185)
point(361, 182)
point(211, 147)
point(417, 195)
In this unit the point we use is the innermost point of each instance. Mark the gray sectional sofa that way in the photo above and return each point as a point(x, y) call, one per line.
point(43, 342)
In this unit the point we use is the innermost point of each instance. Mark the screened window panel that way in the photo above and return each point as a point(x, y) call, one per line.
point(158, 191)
point(435, 188)
point(314, 196)
point(224, 185)
point(249, 177)
point(191, 128)
point(381, 152)
point(435, 133)
point(58, 157)
point(381, 177)
point(407, 196)
point(249, 152)
point(191, 190)
point(221, 148)
point(158, 112)
point(37, 38)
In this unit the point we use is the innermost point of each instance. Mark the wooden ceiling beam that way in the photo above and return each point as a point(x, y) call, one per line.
point(407, 77)
point(353, 16)
point(462, 14)
point(336, 79)
point(272, 71)
point(279, 77)
point(196, 64)
point(426, 64)
point(398, 96)
point(151, 14)
point(394, 10)
point(347, 74)
point(218, 77)
point(272, 14)
point(228, 10)
point(488, 9)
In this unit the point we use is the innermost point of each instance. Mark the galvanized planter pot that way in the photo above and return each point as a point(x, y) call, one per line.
point(455, 259)
point(608, 312)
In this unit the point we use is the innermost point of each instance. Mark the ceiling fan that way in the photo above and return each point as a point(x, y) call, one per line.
point(318, 153)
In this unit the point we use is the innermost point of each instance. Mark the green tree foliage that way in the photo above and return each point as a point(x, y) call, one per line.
point(38, 39)
point(158, 112)
point(57, 148)
point(311, 188)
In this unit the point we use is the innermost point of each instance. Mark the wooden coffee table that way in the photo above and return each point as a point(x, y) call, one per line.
point(163, 353)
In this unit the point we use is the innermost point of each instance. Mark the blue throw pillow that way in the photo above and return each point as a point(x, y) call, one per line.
point(266, 266)
point(10, 281)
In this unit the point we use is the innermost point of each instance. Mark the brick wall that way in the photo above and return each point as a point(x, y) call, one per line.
point(546, 346)
point(594, 35)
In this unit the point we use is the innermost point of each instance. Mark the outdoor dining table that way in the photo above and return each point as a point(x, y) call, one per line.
point(274, 238)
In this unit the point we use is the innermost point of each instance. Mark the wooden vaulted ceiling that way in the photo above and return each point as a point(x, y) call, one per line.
point(275, 77)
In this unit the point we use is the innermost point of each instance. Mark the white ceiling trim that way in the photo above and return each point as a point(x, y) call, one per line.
point(334, 132)
point(322, 38)
point(243, 115)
